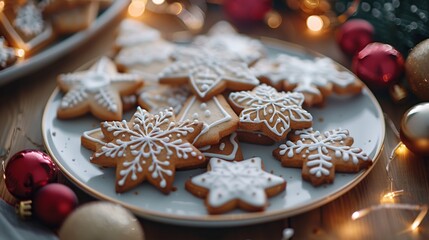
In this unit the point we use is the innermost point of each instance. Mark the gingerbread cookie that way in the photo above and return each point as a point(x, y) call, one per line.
point(146, 60)
point(7, 54)
point(227, 149)
point(157, 97)
point(315, 78)
point(256, 137)
point(321, 155)
point(93, 139)
point(71, 20)
point(227, 43)
point(96, 90)
point(207, 74)
point(24, 27)
point(274, 113)
point(229, 184)
point(149, 147)
point(216, 114)
point(133, 32)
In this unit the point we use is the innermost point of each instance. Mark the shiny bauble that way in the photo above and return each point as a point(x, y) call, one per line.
point(101, 220)
point(53, 203)
point(415, 129)
point(247, 11)
point(354, 35)
point(417, 70)
point(378, 65)
point(27, 171)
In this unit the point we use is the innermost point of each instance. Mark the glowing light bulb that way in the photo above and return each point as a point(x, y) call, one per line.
point(137, 8)
point(273, 19)
point(158, 2)
point(401, 149)
point(355, 215)
point(1, 6)
point(315, 23)
point(20, 53)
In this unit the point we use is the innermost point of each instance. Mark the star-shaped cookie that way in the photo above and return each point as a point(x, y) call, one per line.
point(229, 184)
point(274, 113)
point(7, 54)
point(321, 155)
point(315, 78)
point(149, 148)
point(97, 90)
point(207, 74)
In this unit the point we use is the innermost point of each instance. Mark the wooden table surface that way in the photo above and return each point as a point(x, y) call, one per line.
point(22, 103)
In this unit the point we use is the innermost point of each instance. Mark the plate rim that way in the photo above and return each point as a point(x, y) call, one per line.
point(62, 48)
point(223, 220)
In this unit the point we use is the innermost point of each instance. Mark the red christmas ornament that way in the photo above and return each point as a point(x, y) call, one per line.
point(379, 65)
point(53, 203)
point(354, 35)
point(247, 10)
point(27, 171)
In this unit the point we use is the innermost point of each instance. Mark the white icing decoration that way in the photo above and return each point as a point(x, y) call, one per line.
point(307, 74)
point(146, 141)
point(29, 20)
point(230, 45)
point(7, 54)
point(144, 54)
point(208, 123)
point(226, 156)
point(87, 135)
point(133, 32)
point(99, 82)
point(265, 99)
point(244, 180)
point(206, 71)
point(168, 96)
point(319, 146)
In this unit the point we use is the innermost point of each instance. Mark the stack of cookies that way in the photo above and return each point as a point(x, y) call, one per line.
point(31, 25)
point(197, 102)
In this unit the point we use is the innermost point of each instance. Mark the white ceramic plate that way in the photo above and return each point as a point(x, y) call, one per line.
point(62, 47)
point(361, 115)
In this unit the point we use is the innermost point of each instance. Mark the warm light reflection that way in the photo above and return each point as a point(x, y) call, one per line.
point(401, 149)
point(312, 4)
point(273, 19)
point(390, 196)
point(315, 23)
point(158, 2)
point(1, 6)
point(137, 8)
point(176, 8)
point(20, 53)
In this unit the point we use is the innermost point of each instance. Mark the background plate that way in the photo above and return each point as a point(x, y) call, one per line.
point(361, 115)
point(63, 47)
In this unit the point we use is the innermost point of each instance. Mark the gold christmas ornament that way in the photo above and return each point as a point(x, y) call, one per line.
point(417, 70)
point(415, 129)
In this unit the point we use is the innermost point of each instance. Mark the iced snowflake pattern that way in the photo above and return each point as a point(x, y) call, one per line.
point(149, 147)
point(312, 76)
point(7, 54)
point(245, 181)
point(274, 111)
point(323, 154)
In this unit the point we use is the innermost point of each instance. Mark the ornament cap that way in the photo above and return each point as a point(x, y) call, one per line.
point(23, 209)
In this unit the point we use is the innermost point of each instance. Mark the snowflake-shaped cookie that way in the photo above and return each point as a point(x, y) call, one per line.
point(226, 42)
point(7, 54)
point(228, 148)
point(149, 147)
point(321, 155)
point(97, 90)
point(316, 78)
point(207, 74)
point(230, 184)
point(274, 113)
